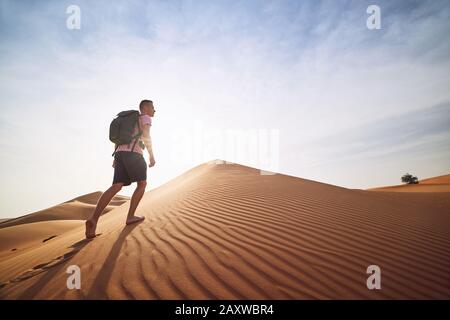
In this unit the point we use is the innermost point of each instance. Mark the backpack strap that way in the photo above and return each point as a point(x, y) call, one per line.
point(138, 135)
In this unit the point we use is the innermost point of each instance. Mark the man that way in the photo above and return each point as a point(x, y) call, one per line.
point(129, 166)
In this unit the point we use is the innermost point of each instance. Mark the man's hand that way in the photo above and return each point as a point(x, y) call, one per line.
point(152, 162)
point(114, 162)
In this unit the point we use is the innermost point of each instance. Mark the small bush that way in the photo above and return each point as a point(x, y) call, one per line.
point(410, 179)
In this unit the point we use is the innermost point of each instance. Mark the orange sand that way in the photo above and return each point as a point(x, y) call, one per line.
point(226, 232)
point(436, 184)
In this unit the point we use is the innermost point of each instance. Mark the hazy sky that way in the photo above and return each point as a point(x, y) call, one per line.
point(342, 104)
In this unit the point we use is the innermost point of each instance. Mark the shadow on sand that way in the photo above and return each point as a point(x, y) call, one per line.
point(52, 268)
point(104, 275)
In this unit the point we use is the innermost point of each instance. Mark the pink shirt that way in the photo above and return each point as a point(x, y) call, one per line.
point(144, 119)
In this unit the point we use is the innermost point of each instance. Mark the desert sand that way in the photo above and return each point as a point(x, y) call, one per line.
point(79, 208)
point(435, 184)
point(223, 231)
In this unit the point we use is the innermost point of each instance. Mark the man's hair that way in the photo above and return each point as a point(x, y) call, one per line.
point(143, 103)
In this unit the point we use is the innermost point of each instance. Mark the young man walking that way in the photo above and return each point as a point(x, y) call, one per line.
point(129, 166)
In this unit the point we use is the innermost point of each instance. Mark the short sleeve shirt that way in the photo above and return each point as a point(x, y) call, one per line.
point(144, 119)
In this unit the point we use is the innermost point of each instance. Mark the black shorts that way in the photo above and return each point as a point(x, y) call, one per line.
point(129, 167)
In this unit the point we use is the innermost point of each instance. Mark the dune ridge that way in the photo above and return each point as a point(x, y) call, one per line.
point(22, 233)
point(435, 184)
point(223, 231)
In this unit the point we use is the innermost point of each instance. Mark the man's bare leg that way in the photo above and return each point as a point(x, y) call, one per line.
point(91, 223)
point(135, 199)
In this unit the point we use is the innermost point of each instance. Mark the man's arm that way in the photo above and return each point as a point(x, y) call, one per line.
point(148, 142)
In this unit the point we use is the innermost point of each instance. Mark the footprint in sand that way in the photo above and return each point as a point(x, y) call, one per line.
point(39, 268)
point(49, 238)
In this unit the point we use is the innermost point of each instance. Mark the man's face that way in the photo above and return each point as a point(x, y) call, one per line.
point(150, 109)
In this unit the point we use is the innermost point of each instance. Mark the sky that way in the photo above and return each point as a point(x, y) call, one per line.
point(303, 88)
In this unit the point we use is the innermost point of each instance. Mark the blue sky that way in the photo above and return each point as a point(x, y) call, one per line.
point(352, 107)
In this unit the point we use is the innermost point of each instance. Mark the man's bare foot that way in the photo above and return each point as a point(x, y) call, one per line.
point(134, 219)
point(90, 229)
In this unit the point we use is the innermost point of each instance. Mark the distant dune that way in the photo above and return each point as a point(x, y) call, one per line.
point(41, 226)
point(435, 184)
point(79, 208)
point(223, 231)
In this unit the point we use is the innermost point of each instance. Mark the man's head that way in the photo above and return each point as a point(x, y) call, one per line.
point(146, 107)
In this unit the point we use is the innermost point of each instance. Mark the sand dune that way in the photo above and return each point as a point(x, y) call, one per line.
point(79, 208)
point(435, 184)
point(445, 179)
point(226, 232)
point(23, 236)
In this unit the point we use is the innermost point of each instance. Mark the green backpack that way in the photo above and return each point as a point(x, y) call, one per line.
point(122, 127)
